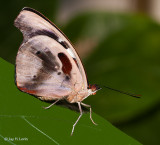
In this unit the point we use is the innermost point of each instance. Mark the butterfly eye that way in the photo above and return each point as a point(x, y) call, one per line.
point(94, 87)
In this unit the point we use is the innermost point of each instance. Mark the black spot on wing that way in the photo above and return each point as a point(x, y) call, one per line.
point(67, 78)
point(59, 73)
point(38, 52)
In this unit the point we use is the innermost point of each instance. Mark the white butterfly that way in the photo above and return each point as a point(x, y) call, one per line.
point(47, 65)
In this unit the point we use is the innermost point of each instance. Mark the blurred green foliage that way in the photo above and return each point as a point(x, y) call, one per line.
point(126, 57)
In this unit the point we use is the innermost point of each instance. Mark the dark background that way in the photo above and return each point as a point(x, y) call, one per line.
point(119, 46)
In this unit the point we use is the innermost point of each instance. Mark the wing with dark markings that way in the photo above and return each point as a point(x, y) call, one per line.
point(40, 71)
point(46, 64)
point(32, 24)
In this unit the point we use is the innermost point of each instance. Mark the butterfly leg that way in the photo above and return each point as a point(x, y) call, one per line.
point(80, 109)
point(51, 105)
point(89, 106)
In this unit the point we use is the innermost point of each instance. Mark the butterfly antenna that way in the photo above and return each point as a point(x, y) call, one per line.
point(122, 92)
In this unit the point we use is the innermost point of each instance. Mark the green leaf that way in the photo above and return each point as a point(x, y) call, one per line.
point(22, 117)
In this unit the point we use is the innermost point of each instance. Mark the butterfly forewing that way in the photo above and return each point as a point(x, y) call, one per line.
point(33, 24)
point(43, 66)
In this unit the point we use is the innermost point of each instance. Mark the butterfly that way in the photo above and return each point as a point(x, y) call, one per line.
point(47, 65)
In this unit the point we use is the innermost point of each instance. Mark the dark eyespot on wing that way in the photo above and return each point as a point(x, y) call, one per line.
point(64, 44)
point(66, 64)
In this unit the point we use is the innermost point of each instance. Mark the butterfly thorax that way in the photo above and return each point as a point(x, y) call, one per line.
point(82, 94)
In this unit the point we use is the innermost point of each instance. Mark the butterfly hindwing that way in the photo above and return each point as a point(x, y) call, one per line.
point(42, 69)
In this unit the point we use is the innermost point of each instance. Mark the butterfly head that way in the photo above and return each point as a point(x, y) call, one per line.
point(93, 89)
